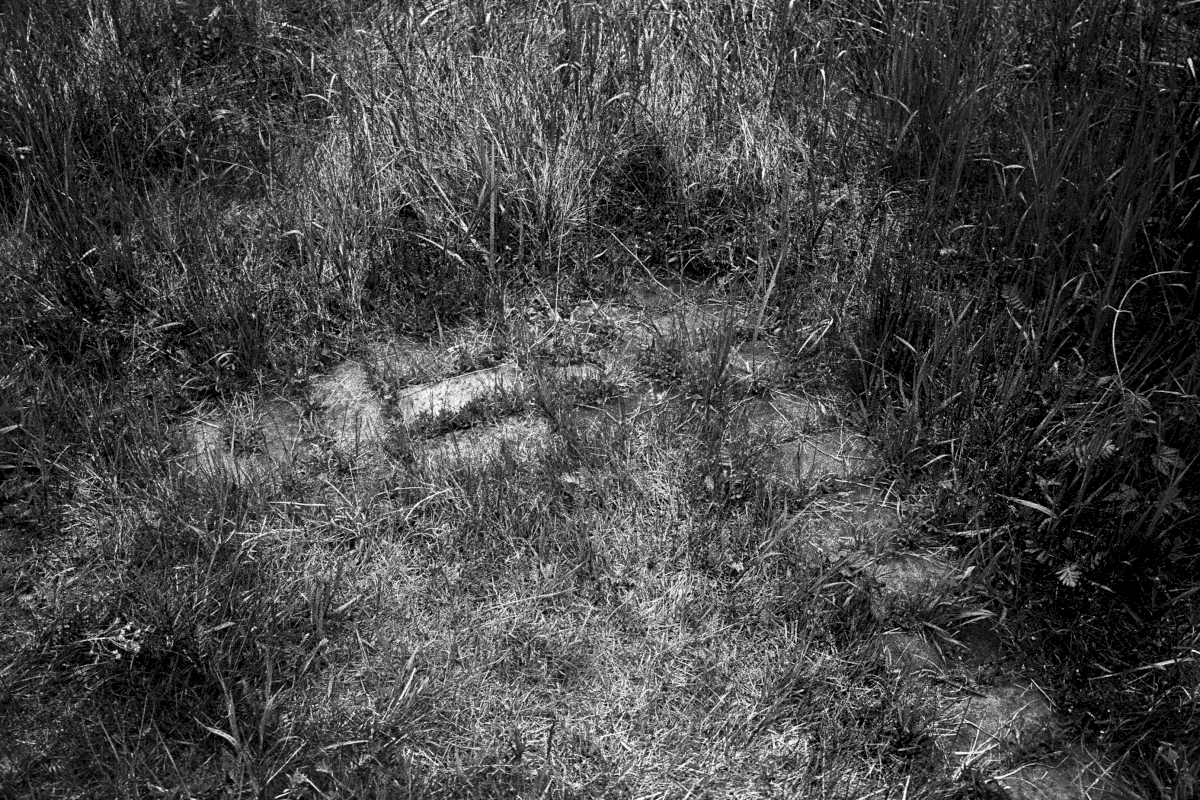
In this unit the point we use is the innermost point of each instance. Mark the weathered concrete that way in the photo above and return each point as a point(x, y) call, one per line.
point(352, 414)
point(1076, 775)
point(908, 652)
point(452, 395)
point(977, 642)
point(912, 575)
point(523, 436)
point(256, 444)
point(401, 363)
point(782, 416)
point(843, 522)
point(839, 454)
point(985, 729)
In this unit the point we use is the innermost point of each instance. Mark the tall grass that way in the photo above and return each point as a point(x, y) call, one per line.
point(1087, 186)
point(1039, 357)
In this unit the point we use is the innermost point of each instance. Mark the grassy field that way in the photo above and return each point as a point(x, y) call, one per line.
point(960, 233)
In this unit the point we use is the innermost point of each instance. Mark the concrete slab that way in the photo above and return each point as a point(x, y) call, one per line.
point(452, 395)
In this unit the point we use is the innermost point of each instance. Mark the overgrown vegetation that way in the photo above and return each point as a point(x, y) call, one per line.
point(979, 215)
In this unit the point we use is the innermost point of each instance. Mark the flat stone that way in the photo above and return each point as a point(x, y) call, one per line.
point(590, 312)
point(694, 324)
point(842, 522)
point(839, 454)
point(754, 364)
point(907, 578)
point(908, 652)
point(209, 452)
point(979, 643)
point(523, 436)
point(403, 363)
point(653, 295)
point(782, 416)
point(352, 415)
point(913, 575)
point(984, 730)
point(454, 394)
point(282, 424)
point(622, 323)
point(575, 389)
point(575, 373)
point(259, 444)
point(1077, 775)
point(622, 363)
point(625, 409)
